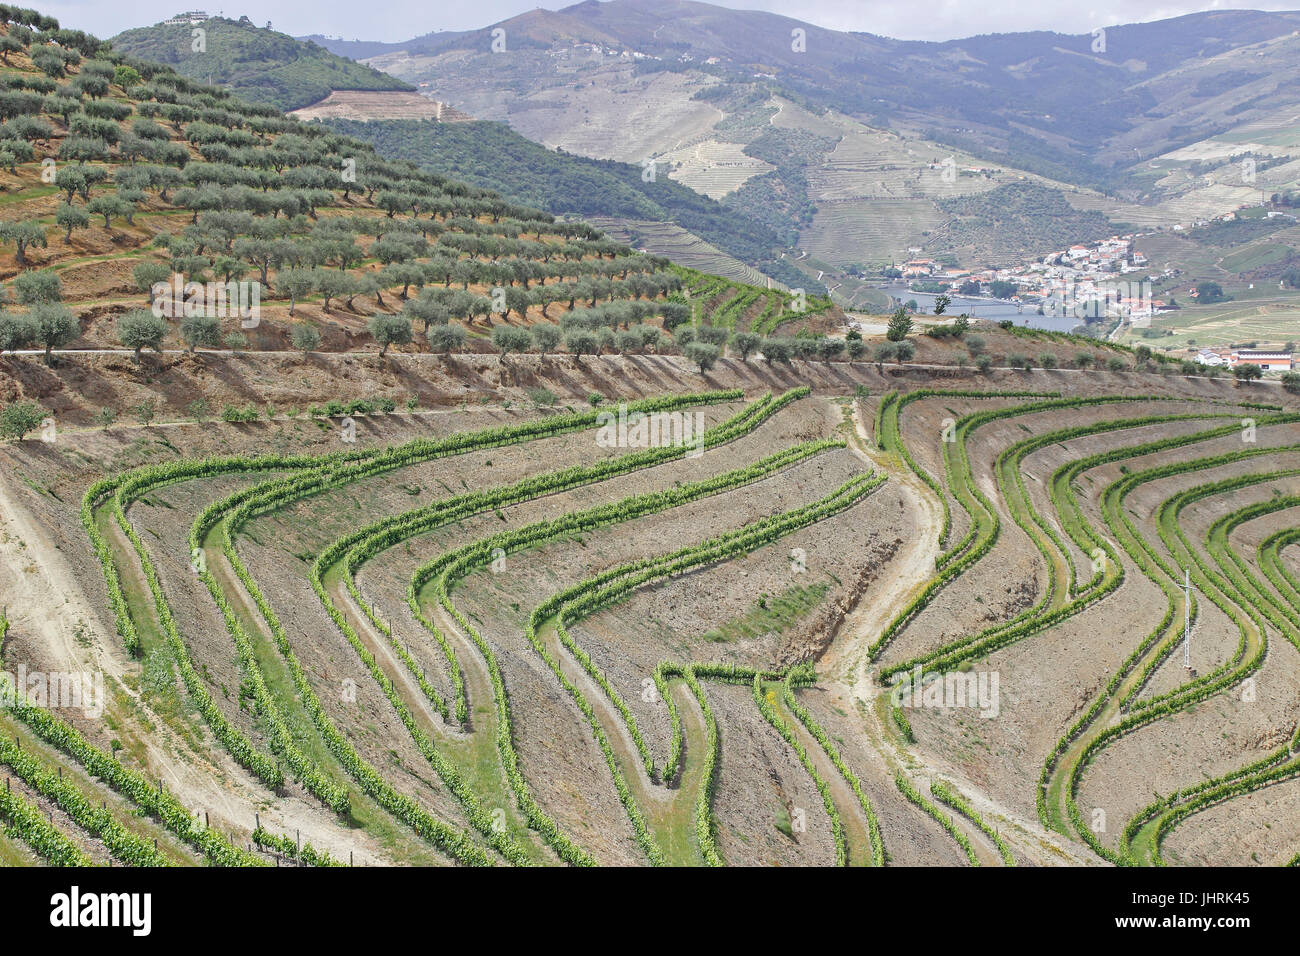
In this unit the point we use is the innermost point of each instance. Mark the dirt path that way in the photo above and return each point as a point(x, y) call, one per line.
point(912, 566)
point(32, 570)
point(850, 680)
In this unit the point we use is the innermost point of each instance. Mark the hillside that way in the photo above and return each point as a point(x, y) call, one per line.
point(257, 64)
point(493, 156)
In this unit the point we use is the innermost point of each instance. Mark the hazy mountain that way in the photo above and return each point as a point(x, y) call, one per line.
point(851, 144)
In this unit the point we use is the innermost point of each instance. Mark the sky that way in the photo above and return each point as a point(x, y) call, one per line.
point(394, 20)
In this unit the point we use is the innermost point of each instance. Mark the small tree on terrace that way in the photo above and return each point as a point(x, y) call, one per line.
point(745, 343)
point(70, 218)
point(427, 310)
point(201, 331)
point(445, 338)
point(510, 338)
point(900, 326)
point(17, 420)
point(140, 330)
point(830, 349)
point(546, 337)
point(1247, 373)
point(305, 337)
point(53, 326)
point(390, 330)
point(702, 354)
point(332, 284)
point(35, 287)
point(16, 331)
point(581, 342)
point(149, 274)
point(110, 207)
point(296, 283)
point(23, 235)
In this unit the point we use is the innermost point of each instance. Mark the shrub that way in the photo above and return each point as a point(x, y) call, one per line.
point(145, 411)
point(1083, 360)
point(236, 341)
point(1116, 364)
point(975, 344)
point(305, 337)
point(984, 362)
point(1291, 382)
point(904, 351)
point(1017, 360)
point(1047, 360)
point(542, 397)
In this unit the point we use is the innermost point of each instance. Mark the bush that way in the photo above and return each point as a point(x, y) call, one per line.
point(1083, 360)
point(1116, 364)
point(305, 338)
point(145, 411)
point(542, 397)
point(386, 405)
point(232, 413)
point(1016, 360)
point(975, 344)
point(236, 341)
point(984, 362)
point(1291, 382)
point(1047, 360)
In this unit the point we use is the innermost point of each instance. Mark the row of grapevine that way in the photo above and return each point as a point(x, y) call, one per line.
point(22, 821)
point(914, 797)
point(124, 845)
point(946, 795)
point(290, 849)
point(767, 708)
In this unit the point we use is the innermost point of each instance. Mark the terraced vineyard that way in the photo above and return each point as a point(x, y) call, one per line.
point(524, 643)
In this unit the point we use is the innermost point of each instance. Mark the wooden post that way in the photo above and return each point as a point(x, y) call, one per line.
point(257, 818)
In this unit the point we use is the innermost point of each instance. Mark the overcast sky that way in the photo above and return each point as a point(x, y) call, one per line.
point(393, 20)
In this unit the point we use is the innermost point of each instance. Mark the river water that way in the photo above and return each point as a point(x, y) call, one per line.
point(994, 310)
